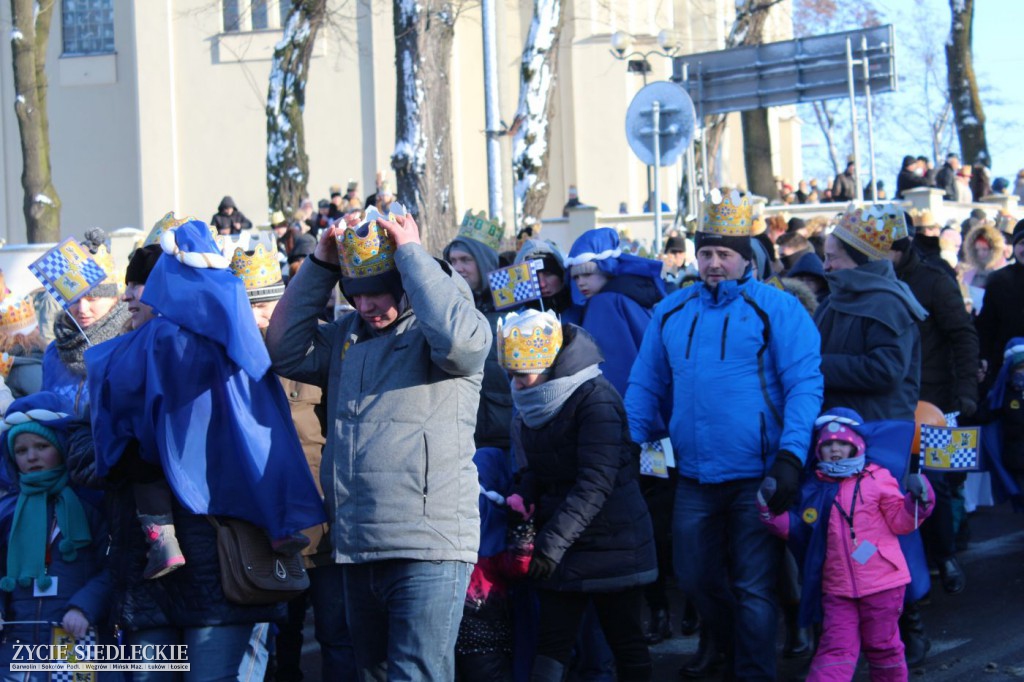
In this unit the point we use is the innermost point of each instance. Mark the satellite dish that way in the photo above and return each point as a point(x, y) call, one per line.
point(676, 122)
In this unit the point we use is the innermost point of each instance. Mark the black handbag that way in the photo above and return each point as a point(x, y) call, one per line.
point(251, 572)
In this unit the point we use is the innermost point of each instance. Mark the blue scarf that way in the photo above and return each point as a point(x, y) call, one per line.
point(26, 545)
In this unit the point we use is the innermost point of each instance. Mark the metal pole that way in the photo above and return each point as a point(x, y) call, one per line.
point(706, 174)
point(647, 170)
point(656, 115)
point(494, 198)
point(871, 125)
point(858, 190)
point(691, 160)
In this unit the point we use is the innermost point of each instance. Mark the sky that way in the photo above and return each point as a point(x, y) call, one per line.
point(922, 27)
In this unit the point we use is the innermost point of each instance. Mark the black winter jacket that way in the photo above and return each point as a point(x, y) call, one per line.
point(582, 473)
point(1002, 315)
point(949, 342)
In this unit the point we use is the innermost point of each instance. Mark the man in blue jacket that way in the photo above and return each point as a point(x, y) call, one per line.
point(740, 362)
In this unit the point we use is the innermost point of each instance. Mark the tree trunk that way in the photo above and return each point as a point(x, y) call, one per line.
point(287, 161)
point(535, 111)
point(423, 145)
point(963, 87)
point(757, 153)
point(29, 40)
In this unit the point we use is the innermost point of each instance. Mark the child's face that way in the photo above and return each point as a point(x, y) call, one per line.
point(590, 283)
point(34, 453)
point(835, 450)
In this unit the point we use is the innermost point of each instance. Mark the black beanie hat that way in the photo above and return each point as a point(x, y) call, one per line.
point(740, 245)
point(1018, 233)
point(142, 262)
point(675, 243)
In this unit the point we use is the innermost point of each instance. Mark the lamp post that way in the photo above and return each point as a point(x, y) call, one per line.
point(637, 62)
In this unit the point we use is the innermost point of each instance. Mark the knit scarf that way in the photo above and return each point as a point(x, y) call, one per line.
point(540, 404)
point(71, 345)
point(29, 538)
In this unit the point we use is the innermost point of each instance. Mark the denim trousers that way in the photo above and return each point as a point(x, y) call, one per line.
point(219, 653)
point(404, 618)
point(727, 562)
point(326, 594)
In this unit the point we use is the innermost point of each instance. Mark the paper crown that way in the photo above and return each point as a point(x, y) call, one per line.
point(480, 229)
point(872, 229)
point(166, 223)
point(17, 316)
point(922, 217)
point(6, 363)
point(260, 272)
point(728, 215)
point(528, 342)
point(352, 186)
point(366, 250)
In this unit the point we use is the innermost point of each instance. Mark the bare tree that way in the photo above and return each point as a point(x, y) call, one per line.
point(963, 86)
point(531, 127)
point(825, 115)
point(757, 135)
point(29, 40)
point(423, 145)
point(287, 161)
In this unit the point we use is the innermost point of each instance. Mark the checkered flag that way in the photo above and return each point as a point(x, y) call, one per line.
point(67, 272)
point(945, 448)
point(62, 637)
point(515, 284)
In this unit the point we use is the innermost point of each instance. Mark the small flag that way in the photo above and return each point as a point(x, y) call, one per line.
point(61, 638)
point(67, 272)
point(656, 457)
point(944, 448)
point(515, 284)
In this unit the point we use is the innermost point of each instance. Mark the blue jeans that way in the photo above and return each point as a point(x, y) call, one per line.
point(220, 653)
point(727, 563)
point(405, 618)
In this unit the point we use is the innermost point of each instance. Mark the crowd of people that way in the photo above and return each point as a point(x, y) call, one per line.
point(509, 494)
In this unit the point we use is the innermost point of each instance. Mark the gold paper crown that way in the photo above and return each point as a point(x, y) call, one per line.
point(166, 223)
point(872, 229)
point(728, 215)
point(6, 363)
point(529, 342)
point(365, 251)
point(480, 229)
point(258, 271)
point(17, 316)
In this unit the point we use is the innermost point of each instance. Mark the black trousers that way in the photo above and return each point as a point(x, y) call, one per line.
point(619, 614)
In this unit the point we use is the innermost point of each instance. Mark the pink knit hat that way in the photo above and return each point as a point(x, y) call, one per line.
point(834, 430)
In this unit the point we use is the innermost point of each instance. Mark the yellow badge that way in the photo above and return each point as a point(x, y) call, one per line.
point(810, 515)
point(1014, 404)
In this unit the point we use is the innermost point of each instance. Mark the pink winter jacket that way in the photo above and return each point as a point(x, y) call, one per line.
point(882, 513)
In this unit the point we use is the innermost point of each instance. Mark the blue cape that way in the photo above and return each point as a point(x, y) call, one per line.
point(225, 440)
point(494, 468)
point(888, 445)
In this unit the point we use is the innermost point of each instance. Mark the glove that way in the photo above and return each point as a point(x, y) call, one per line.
point(967, 407)
point(516, 504)
point(786, 471)
point(541, 567)
point(917, 488)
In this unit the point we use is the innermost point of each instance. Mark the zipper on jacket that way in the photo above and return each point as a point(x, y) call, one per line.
point(725, 331)
point(689, 339)
point(848, 554)
point(426, 473)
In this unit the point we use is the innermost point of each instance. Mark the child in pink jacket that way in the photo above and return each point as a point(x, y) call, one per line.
point(864, 574)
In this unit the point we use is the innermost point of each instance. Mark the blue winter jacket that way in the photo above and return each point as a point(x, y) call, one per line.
point(741, 364)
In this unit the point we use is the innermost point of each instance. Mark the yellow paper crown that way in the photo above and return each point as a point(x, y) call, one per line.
point(257, 271)
point(166, 223)
point(529, 342)
point(6, 363)
point(365, 251)
point(17, 316)
point(872, 229)
point(480, 229)
point(728, 215)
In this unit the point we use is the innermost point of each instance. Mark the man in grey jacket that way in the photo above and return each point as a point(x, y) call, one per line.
point(402, 375)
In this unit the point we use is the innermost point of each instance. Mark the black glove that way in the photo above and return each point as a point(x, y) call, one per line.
point(540, 568)
point(786, 471)
point(917, 488)
point(967, 407)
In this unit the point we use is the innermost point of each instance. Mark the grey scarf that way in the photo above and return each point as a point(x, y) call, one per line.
point(540, 404)
point(71, 345)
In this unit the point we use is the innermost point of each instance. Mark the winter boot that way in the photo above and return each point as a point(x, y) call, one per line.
point(660, 627)
point(915, 641)
point(547, 669)
point(798, 639)
point(164, 554)
point(691, 619)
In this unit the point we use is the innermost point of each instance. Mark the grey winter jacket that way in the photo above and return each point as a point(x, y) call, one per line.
point(397, 472)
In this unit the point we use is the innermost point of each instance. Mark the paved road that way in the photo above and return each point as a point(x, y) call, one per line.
point(977, 636)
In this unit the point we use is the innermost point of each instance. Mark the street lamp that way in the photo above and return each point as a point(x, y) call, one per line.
point(637, 62)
